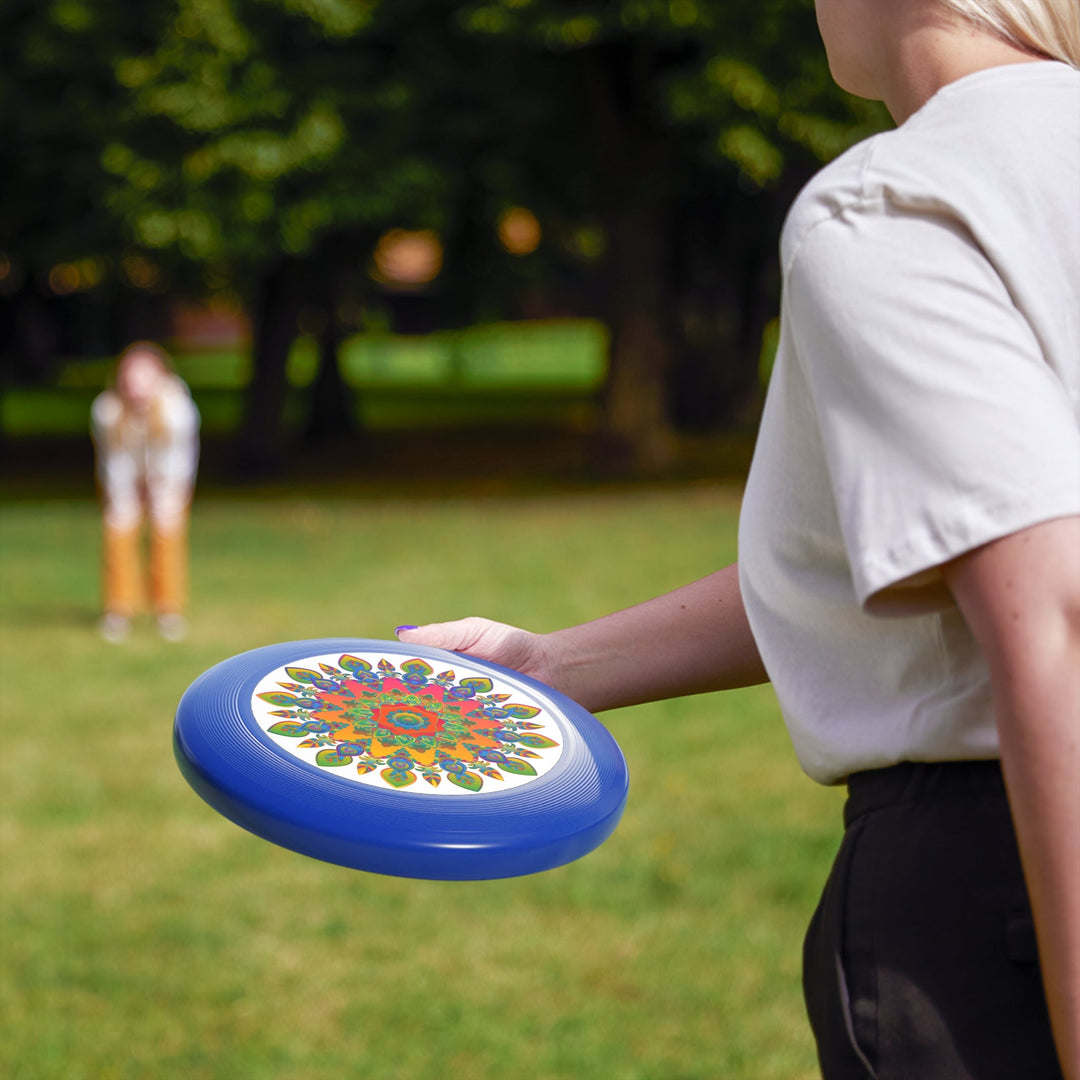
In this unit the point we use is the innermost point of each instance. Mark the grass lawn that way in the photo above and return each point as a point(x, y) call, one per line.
point(146, 937)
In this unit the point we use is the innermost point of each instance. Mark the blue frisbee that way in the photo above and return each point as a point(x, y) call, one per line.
point(400, 759)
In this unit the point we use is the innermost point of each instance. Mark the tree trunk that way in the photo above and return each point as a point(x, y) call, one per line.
point(261, 446)
point(637, 434)
point(637, 425)
point(331, 412)
point(727, 286)
point(35, 337)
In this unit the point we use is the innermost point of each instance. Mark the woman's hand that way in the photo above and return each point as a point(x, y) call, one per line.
point(501, 644)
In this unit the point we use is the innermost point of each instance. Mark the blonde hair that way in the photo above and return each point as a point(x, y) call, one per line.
point(1048, 27)
point(151, 347)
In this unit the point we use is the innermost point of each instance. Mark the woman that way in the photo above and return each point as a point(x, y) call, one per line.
point(909, 574)
point(145, 432)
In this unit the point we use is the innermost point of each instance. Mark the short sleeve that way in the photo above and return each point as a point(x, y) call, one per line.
point(944, 426)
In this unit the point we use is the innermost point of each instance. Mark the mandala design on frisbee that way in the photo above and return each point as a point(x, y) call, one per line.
point(402, 726)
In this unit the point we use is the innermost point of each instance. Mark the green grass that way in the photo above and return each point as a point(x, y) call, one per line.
point(144, 936)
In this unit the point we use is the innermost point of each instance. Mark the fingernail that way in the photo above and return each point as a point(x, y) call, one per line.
point(398, 629)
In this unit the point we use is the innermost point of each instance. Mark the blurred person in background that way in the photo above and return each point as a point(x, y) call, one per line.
point(909, 549)
point(146, 437)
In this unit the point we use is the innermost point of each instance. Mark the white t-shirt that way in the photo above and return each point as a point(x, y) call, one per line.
point(146, 461)
point(925, 400)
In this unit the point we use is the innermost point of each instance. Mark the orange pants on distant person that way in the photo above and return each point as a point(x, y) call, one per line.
point(127, 586)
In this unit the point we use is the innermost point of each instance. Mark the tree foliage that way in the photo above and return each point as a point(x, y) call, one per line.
point(264, 145)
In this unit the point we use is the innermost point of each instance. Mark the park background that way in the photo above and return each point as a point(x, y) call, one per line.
point(478, 301)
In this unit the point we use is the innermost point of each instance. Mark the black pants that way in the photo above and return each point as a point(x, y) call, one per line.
point(920, 961)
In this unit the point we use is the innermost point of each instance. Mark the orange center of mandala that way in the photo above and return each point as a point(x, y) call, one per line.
point(407, 720)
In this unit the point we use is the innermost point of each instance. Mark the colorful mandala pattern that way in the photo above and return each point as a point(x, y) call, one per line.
point(403, 726)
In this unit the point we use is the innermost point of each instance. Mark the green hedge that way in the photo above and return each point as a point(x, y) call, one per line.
point(509, 372)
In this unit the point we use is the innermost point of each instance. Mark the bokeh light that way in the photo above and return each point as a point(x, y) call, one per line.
point(71, 277)
point(406, 259)
point(64, 279)
point(519, 231)
point(140, 272)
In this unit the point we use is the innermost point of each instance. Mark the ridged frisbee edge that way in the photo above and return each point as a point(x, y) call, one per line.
point(215, 703)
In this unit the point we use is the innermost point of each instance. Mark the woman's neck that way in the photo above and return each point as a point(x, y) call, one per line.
point(930, 53)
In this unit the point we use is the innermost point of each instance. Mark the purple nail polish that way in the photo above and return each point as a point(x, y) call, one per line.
point(398, 629)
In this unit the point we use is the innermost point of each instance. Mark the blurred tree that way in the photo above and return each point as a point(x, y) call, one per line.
point(280, 131)
point(263, 146)
point(296, 133)
point(59, 106)
point(698, 122)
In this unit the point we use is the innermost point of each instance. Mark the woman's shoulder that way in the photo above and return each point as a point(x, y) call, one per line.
point(997, 143)
point(831, 192)
point(106, 411)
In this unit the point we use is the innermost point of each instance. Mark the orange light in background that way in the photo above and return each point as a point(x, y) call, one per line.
point(407, 259)
point(140, 272)
point(64, 279)
point(519, 231)
point(70, 277)
point(5, 266)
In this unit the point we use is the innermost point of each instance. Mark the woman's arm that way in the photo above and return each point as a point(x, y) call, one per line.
point(689, 641)
point(1021, 598)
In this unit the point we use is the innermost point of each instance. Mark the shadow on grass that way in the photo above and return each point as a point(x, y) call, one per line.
point(48, 616)
point(423, 463)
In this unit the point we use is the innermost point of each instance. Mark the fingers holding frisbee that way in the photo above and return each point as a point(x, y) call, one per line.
point(502, 644)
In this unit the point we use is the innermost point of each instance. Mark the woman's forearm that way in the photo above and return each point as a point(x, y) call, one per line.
point(689, 641)
point(1021, 598)
point(1040, 752)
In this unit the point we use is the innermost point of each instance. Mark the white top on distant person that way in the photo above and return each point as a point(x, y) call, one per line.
point(146, 437)
point(915, 493)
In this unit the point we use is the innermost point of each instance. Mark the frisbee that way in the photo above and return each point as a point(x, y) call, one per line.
point(400, 759)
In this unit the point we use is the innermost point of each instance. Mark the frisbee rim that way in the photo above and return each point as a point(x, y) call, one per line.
point(234, 765)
